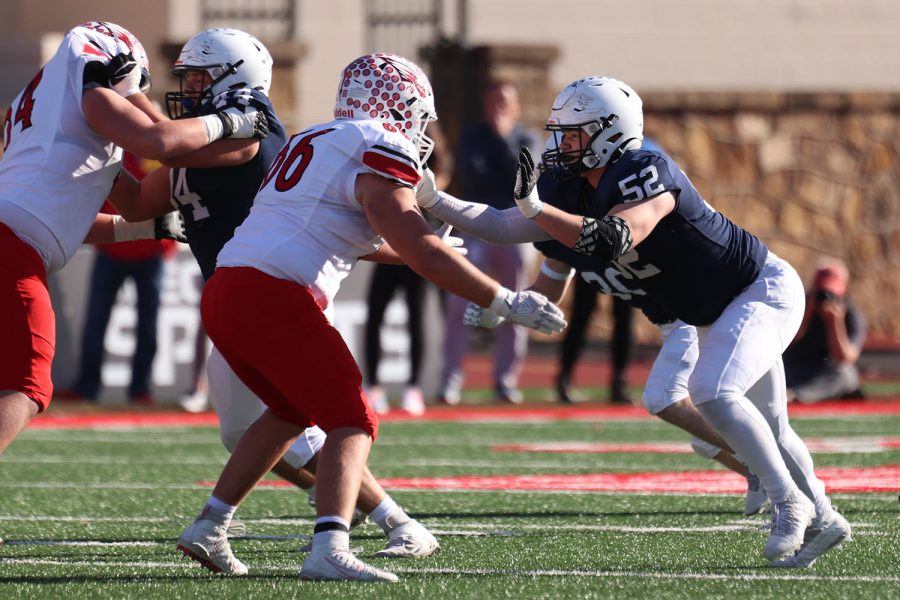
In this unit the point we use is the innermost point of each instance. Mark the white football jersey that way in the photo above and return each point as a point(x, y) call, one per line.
point(55, 171)
point(306, 224)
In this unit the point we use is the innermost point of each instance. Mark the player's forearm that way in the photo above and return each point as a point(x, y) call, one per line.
point(221, 153)
point(487, 223)
point(450, 271)
point(146, 106)
point(562, 226)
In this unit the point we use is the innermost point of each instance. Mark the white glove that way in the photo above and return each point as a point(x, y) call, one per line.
point(124, 75)
point(235, 123)
point(457, 243)
point(530, 309)
point(525, 192)
point(426, 191)
point(477, 316)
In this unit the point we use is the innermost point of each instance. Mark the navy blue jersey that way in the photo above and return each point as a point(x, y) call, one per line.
point(214, 201)
point(690, 267)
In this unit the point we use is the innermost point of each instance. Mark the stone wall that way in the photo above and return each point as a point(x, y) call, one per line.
point(811, 174)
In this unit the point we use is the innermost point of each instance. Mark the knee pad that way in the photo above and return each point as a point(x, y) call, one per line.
point(704, 448)
point(230, 439)
point(305, 447)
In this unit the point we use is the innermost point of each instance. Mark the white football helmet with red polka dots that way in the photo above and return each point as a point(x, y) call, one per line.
point(390, 89)
point(106, 39)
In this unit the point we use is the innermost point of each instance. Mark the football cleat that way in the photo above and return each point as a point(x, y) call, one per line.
point(820, 537)
point(378, 400)
point(236, 528)
point(756, 499)
point(791, 520)
point(409, 540)
point(412, 401)
point(206, 543)
point(341, 565)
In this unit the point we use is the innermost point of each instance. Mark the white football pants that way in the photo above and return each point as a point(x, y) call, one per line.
point(734, 374)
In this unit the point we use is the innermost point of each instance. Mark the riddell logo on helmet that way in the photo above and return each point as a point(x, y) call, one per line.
point(343, 113)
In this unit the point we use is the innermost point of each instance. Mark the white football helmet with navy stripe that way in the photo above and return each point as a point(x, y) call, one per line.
point(607, 110)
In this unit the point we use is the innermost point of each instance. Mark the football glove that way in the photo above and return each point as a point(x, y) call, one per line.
point(525, 191)
point(476, 316)
point(457, 243)
point(239, 124)
point(426, 192)
point(169, 226)
point(530, 309)
point(124, 75)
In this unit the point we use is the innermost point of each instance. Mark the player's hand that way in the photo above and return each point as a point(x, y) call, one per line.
point(169, 226)
point(457, 243)
point(530, 309)
point(239, 124)
point(426, 192)
point(525, 191)
point(124, 75)
point(477, 316)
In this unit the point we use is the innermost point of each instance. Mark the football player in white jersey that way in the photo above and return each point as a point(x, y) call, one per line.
point(63, 140)
point(336, 192)
point(213, 191)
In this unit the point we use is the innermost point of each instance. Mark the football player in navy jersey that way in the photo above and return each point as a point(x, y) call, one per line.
point(728, 306)
point(213, 192)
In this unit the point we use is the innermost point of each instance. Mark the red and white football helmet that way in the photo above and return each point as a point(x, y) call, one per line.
point(391, 89)
point(109, 39)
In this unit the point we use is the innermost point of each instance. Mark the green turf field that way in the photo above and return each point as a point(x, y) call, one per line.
point(95, 514)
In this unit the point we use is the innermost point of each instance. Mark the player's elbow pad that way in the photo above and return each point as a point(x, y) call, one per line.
point(607, 238)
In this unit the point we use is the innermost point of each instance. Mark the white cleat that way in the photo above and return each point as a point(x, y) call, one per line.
point(412, 401)
point(236, 529)
point(756, 500)
point(207, 544)
point(341, 565)
point(378, 400)
point(196, 402)
point(820, 537)
point(792, 517)
point(409, 540)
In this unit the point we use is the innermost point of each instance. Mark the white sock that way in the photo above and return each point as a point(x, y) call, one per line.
point(218, 512)
point(746, 431)
point(331, 533)
point(388, 514)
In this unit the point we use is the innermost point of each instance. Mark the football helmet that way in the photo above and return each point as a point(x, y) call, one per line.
point(234, 59)
point(111, 40)
point(607, 110)
point(393, 90)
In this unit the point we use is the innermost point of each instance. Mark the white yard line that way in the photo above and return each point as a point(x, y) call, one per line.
point(291, 571)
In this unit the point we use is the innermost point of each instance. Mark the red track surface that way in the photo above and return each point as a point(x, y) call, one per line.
point(119, 419)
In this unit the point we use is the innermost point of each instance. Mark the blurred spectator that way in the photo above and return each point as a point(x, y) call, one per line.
point(820, 364)
point(142, 261)
point(584, 302)
point(486, 161)
point(196, 399)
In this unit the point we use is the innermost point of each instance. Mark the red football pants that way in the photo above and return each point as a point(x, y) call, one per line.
point(279, 343)
point(28, 322)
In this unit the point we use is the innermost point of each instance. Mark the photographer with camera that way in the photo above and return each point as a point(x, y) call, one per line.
point(820, 364)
